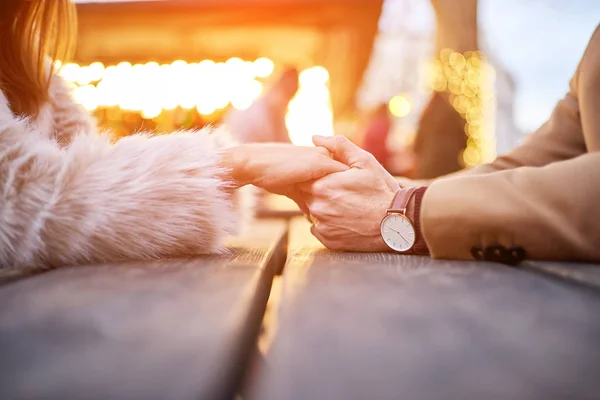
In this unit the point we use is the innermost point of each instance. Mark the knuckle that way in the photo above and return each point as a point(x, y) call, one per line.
point(318, 210)
point(327, 233)
point(372, 159)
point(320, 187)
point(368, 158)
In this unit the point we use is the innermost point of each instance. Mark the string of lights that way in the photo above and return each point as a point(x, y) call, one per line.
point(466, 77)
point(150, 88)
point(206, 87)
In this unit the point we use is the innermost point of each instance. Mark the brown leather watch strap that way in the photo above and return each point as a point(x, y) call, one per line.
point(401, 199)
point(420, 246)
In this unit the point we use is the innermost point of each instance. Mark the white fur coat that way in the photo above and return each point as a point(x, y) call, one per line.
point(70, 196)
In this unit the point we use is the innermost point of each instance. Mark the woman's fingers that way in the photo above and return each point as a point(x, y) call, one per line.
point(271, 166)
point(292, 171)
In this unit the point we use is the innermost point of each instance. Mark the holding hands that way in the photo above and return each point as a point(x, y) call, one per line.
point(275, 165)
point(347, 207)
point(278, 167)
point(342, 187)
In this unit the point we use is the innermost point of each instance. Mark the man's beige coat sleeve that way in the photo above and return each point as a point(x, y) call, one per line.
point(544, 196)
point(560, 138)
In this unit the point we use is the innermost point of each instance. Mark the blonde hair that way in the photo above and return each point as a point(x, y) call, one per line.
point(33, 33)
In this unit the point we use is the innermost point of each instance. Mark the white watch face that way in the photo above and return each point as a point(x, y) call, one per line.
point(398, 232)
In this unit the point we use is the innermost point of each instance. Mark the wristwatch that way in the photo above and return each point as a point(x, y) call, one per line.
point(397, 230)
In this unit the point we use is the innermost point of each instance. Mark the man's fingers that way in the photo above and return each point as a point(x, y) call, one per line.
point(343, 150)
point(299, 200)
point(294, 194)
point(324, 186)
point(324, 151)
point(312, 203)
point(317, 234)
point(339, 146)
point(326, 166)
point(316, 207)
point(331, 244)
point(317, 186)
point(323, 141)
point(307, 189)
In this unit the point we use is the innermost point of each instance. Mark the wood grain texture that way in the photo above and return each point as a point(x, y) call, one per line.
point(271, 206)
point(175, 329)
point(10, 275)
point(385, 326)
point(580, 273)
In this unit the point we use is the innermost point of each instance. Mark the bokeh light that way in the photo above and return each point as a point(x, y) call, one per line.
point(315, 76)
point(151, 88)
point(310, 112)
point(208, 87)
point(400, 106)
point(263, 67)
point(462, 76)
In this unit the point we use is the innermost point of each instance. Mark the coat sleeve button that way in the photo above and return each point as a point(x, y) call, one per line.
point(495, 253)
point(515, 254)
point(477, 253)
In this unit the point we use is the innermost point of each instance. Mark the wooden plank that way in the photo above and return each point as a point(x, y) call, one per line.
point(177, 329)
point(10, 275)
point(272, 206)
point(385, 326)
point(580, 273)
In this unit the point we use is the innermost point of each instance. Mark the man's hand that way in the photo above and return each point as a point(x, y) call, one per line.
point(347, 207)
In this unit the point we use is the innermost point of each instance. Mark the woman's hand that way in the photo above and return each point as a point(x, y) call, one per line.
point(277, 167)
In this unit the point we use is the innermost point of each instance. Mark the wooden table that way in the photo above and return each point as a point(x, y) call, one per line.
point(386, 326)
point(177, 329)
point(347, 326)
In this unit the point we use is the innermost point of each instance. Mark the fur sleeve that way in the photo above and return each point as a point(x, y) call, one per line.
point(69, 118)
point(141, 198)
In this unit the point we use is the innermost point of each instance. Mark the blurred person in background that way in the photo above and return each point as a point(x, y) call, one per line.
point(71, 196)
point(264, 120)
point(539, 201)
point(441, 137)
point(376, 134)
